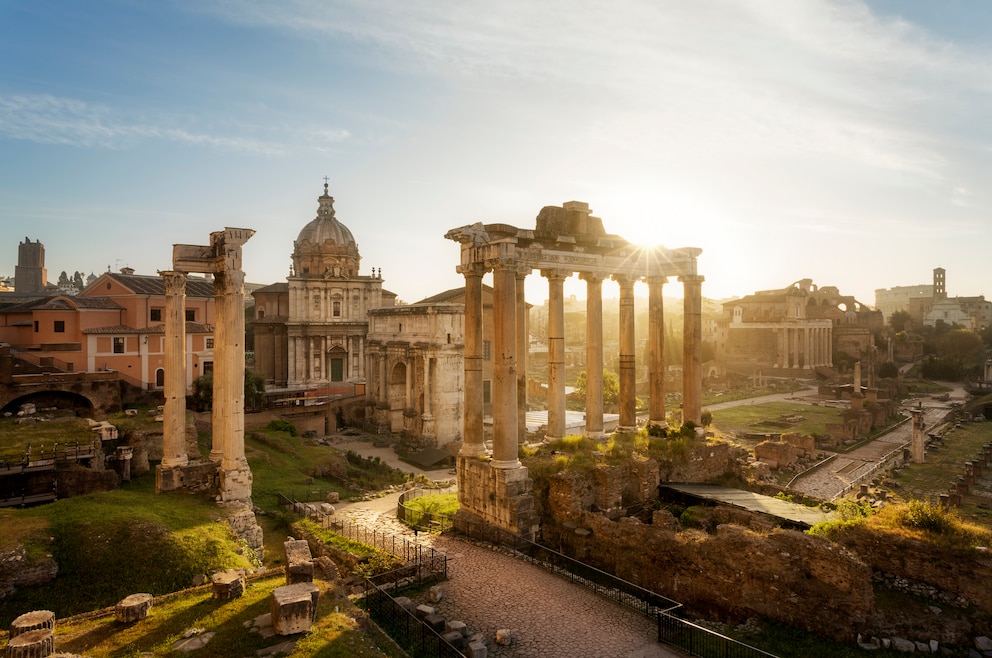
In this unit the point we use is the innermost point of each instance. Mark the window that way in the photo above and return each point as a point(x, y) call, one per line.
point(337, 309)
point(486, 350)
point(36, 326)
point(60, 326)
point(118, 345)
point(337, 370)
point(191, 315)
point(208, 343)
point(487, 392)
point(156, 315)
point(160, 378)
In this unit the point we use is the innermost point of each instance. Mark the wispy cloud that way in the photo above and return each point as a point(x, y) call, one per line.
point(49, 119)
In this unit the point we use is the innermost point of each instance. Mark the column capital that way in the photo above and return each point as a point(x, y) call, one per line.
point(555, 273)
point(472, 269)
point(625, 279)
point(657, 280)
point(175, 282)
point(502, 264)
point(592, 277)
point(691, 278)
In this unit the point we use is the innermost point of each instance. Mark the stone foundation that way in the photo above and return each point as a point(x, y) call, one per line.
point(502, 497)
point(241, 518)
point(235, 484)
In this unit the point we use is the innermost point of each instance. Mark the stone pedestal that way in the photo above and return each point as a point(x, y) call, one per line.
point(496, 496)
point(235, 484)
point(133, 608)
point(168, 479)
point(228, 584)
point(38, 643)
point(32, 621)
point(294, 608)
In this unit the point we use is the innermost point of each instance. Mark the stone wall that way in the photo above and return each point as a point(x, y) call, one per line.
point(733, 574)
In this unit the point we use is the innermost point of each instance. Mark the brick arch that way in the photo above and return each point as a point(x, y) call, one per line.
point(78, 403)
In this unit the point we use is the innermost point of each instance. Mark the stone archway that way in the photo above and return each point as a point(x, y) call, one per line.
point(397, 396)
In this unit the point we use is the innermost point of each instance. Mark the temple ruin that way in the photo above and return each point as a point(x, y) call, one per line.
point(222, 259)
point(566, 240)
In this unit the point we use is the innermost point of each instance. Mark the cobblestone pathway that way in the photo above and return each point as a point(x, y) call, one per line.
point(547, 615)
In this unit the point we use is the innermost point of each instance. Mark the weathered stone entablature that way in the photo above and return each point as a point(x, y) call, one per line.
point(566, 240)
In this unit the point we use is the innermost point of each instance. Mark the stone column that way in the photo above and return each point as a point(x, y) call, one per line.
point(918, 445)
point(656, 349)
point(692, 368)
point(807, 348)
point(473, 437)
point(628, 384)
point(556, 352)
point(229, 375)
point(427, 419)
point(220, 416)
point(594, 355)
point(174, 415)
point(523, 346)
point(505, 366)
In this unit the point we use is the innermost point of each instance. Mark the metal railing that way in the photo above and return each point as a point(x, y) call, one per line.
point(700, 641)
point(420, 518)
point(413, 634)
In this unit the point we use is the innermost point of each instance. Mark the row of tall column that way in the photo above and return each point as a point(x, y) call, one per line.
point(308, 358)
point(804, 347)
point(509, 355)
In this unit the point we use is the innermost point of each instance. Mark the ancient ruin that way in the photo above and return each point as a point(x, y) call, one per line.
point(566, 240)
point(222, 259)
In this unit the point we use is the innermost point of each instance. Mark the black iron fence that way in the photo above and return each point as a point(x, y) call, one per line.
point(700, 641)
point(423, 518)
point(416, 636)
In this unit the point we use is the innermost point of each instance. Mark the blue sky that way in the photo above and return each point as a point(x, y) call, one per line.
point(846, 142)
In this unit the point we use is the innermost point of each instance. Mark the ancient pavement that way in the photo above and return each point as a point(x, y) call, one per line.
point(547, 615)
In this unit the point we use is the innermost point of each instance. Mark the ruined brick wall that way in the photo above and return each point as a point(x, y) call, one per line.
point(702, 463)
point(733, 574)
point(966, 573)
point(17, 570)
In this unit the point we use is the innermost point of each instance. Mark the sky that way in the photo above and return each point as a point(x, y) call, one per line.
point(847, 142)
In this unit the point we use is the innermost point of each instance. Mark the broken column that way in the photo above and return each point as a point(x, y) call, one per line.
point(299, 561)
point(917, 445)
point(294, 608)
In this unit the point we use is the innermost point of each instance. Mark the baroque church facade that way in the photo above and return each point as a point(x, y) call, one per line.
point(311, 331)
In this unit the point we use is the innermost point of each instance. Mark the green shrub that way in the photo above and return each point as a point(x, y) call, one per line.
point(281, 425)
point(929, 517)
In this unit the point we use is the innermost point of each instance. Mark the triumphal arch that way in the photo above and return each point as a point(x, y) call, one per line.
point(566, 240)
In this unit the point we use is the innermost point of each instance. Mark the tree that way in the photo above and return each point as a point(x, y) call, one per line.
point(77, 281)
point(961, 345)
point(899, 321)
point(888, 370)
point(63, 280)
point(611, 386)
point(203, 390)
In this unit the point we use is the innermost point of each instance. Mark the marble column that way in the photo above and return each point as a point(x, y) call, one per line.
point(628, 384)
point(556, 352)
point(594, 355)
point(692, 368)
point(229, 373)
point(220, 416)
point(174, 415)
point(656, 349)
point(505, 365)
point(427, 418)
point(523, 346)
point(473, 437)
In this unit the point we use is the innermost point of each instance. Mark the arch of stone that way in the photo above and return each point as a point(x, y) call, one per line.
point(566, 240)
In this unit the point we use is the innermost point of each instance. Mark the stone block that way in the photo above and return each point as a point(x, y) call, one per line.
point(32, 621)
point(434, 594)
point(455, 639)
point(405, 603)
point(133, 608)
point(423, 610)
point(38, 643)
point(476, 650)
point(456, 626)
point(333, 497)
point(293, 608)
point(326, 508)
point(504, 637)
point(299, 562)
point(435, 621)
point(228, 584)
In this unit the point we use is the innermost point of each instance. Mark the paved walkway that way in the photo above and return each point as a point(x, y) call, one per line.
point(547, 615)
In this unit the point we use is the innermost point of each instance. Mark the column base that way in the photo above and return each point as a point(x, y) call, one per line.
point(216, 455)
point(594, 434)
point(505, 463)
point(472, 450)
point(626, 428)
point(168, 479)
point(235, 484)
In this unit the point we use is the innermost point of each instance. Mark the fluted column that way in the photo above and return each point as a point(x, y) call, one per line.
point(556, 352)
point(229, 373)
point(220, 415)
point(473, 438)
point(628, 384)
point(692, 368)
point(174, 415)
point(656, 349)
point(523, 346)
point(505, 366)
point(594, 355)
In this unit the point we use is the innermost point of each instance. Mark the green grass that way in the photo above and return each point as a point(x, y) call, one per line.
point(334, 634)
point(112, 544)
point(42, 435)
point(756, 417)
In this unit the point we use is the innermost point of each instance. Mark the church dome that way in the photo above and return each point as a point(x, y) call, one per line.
point(325, 247)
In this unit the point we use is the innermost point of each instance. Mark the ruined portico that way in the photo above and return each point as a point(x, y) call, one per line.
point(222, 259)
point(566, 240)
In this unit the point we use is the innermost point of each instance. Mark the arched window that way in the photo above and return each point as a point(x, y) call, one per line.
point(160, 378)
